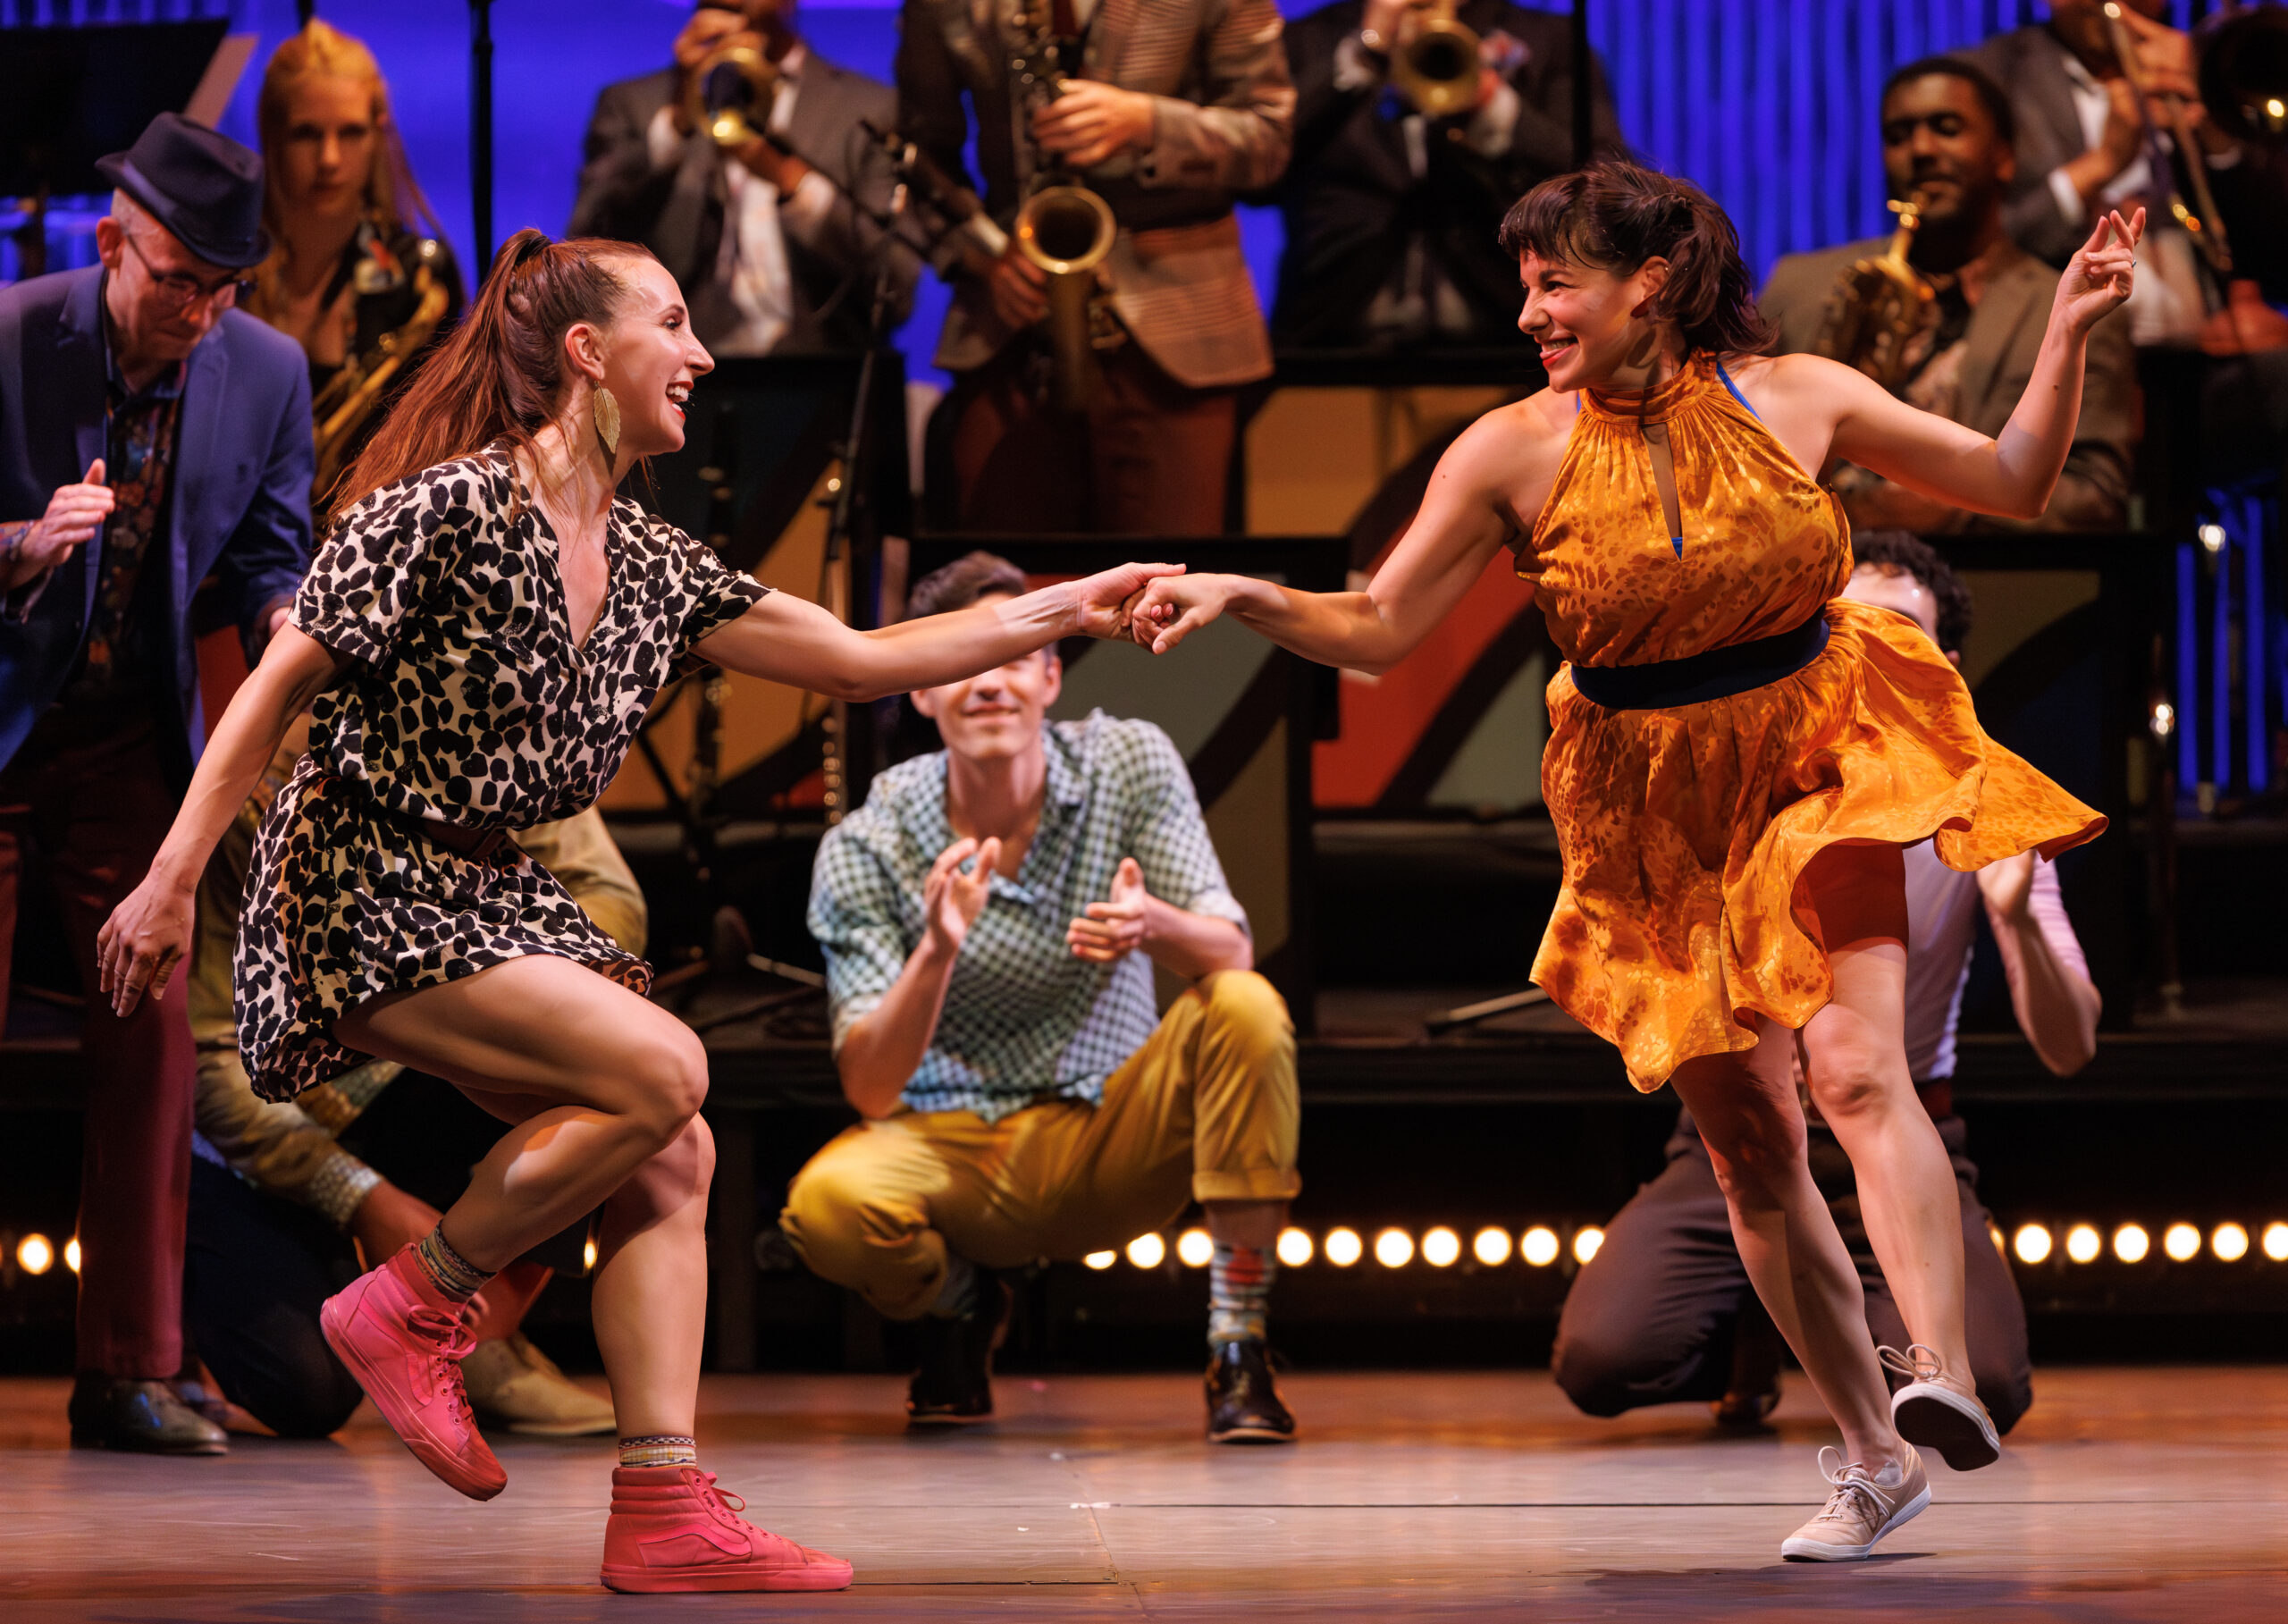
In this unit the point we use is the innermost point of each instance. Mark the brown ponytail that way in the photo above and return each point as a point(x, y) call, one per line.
point(499, 376)
point(1616, 215)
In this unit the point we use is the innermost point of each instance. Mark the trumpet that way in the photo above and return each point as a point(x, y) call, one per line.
point(1878, 307)
point(730, 94)
point(1063, 228)
point(1436, 62)
point(352, 394)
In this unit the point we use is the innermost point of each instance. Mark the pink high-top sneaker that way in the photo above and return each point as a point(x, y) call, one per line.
point(672, 1529)
point(404, 1341)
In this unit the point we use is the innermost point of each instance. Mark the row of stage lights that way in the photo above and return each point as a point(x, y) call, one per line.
point(1393, 1248)
point(2132, 1243)
point(36, 1254)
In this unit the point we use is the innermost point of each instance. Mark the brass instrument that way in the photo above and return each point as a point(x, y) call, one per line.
point(730, 94)
point(1436, 62)
point(2244, 71)
point(1063, 228)
point(2205, 228)
point(1878, 307)
point(352, 394)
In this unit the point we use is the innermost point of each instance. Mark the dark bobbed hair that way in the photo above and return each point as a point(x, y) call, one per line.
point(1615, 216)
point(1902, 552)
point(1989, 94)
point(500, 374)
point(962, 583)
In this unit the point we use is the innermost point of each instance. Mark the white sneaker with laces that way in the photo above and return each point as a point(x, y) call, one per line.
point(1936, 1410)
point(1862, 1508)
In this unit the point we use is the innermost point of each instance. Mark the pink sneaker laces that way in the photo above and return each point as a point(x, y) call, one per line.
point(721, 1504)
point(441, 1371)
point(1853, 1496)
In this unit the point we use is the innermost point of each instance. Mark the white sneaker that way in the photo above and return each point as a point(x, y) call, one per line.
point(1863, 1507)
point(1938, 1411)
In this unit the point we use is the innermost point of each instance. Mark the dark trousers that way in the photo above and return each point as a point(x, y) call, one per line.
point(258, 1271)
point(1151, 457)
point(1652, 1320)
point(86, 807)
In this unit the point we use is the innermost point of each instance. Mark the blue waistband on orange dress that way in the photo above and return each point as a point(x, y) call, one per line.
point(1717, 674)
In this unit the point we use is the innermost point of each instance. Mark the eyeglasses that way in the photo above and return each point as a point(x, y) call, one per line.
point(180, 290)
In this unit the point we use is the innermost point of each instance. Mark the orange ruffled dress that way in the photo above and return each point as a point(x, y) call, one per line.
point(1684, 831)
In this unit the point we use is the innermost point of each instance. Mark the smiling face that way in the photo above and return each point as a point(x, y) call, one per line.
point(1582, 318)
point(647, 355)
point(996, 715)
point(323, 161)
point(1939, 141)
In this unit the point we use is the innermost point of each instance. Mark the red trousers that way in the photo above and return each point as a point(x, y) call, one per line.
point(85, 808)
point(1150, 458)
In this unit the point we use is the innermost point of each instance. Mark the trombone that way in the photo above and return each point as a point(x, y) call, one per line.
point(2205, 228)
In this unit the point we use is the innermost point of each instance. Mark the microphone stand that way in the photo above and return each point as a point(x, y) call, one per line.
point(479, 126)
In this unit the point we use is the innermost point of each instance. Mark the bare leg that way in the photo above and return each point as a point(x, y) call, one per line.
point(1856, 1065)
point(603, 1089)
point(1746, 1110)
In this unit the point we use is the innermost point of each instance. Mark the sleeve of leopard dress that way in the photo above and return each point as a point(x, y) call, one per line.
point(383, 556)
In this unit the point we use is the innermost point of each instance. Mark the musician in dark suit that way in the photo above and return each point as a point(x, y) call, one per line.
point(764, 239)
point(151, 438)
point(1946, 138)
point(1392, 217)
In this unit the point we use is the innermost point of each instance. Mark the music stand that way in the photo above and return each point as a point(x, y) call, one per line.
point(69, 96)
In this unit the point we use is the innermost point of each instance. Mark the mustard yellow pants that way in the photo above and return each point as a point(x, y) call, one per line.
point(1205, 1110)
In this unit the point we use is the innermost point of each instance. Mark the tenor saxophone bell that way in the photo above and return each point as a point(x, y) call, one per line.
point(1067, 231)
point(1436, 62)
point(730, 93)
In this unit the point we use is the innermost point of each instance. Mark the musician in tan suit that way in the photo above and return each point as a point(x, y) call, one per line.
point(1946, 136)
point(1172, 107)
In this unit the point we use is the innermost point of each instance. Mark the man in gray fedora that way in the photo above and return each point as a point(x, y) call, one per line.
point(153, 440)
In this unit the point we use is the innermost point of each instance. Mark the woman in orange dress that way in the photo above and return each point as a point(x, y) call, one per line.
point(1738, 757)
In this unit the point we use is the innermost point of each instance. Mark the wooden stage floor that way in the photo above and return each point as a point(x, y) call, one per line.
point(2143, 1495)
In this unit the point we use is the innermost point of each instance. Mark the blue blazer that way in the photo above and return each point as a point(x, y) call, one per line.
point(239, 498)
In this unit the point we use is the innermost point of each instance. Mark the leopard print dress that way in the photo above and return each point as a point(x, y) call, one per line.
point(466, 701)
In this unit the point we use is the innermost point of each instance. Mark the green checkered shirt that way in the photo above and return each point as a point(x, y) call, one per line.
point(1025, 1019)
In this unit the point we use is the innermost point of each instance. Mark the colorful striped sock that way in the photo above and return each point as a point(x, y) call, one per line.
point(453, 1275)
point(660, 1449)
point(1239, 1291)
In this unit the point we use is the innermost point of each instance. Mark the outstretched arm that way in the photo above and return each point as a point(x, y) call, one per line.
point(782, 638)
point(2014, 472)
point(1465, 516)
point(150, 932)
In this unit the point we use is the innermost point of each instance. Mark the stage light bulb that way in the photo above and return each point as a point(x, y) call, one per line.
point(1148, 1250)
point(2276, 109)
point(1441, 1248)
point(1393, 1247)
point(1585, 1243)
point(2275, 1243)
point(2212, 536)
point(1196, 1248)
point(1343, 1246)
point(1101, 1260)
point(72, 1254)
point(2031, 1242)
point(1538, 1246)
point(2130, 1243)
point(1294, 1247)
point(2230, 1242)
point(588, 1254)
point(2165, 720)
point(35, 1254)
point(2082, 1243)
point(2181, 1241)
point(1491, 1247)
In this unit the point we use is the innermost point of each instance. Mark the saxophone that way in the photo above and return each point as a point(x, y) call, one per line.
point(1878, 307)
point(352, 394)
point(1063, 227)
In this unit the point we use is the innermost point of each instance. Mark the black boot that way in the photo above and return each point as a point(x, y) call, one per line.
point(114, 1412)
point(1243, 1403)
point(954, 1388)
point(1753, 1391)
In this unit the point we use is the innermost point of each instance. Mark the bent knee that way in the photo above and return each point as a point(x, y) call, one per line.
point(834, 1207)
point(670, 1075)
point(1244, 1003)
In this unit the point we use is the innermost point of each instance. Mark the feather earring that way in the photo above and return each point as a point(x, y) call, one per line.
point(606, 408)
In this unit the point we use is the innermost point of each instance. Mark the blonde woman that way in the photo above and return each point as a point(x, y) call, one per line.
point(357, 254)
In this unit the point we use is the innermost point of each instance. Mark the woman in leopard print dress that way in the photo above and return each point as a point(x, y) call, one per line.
point(481, 632)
